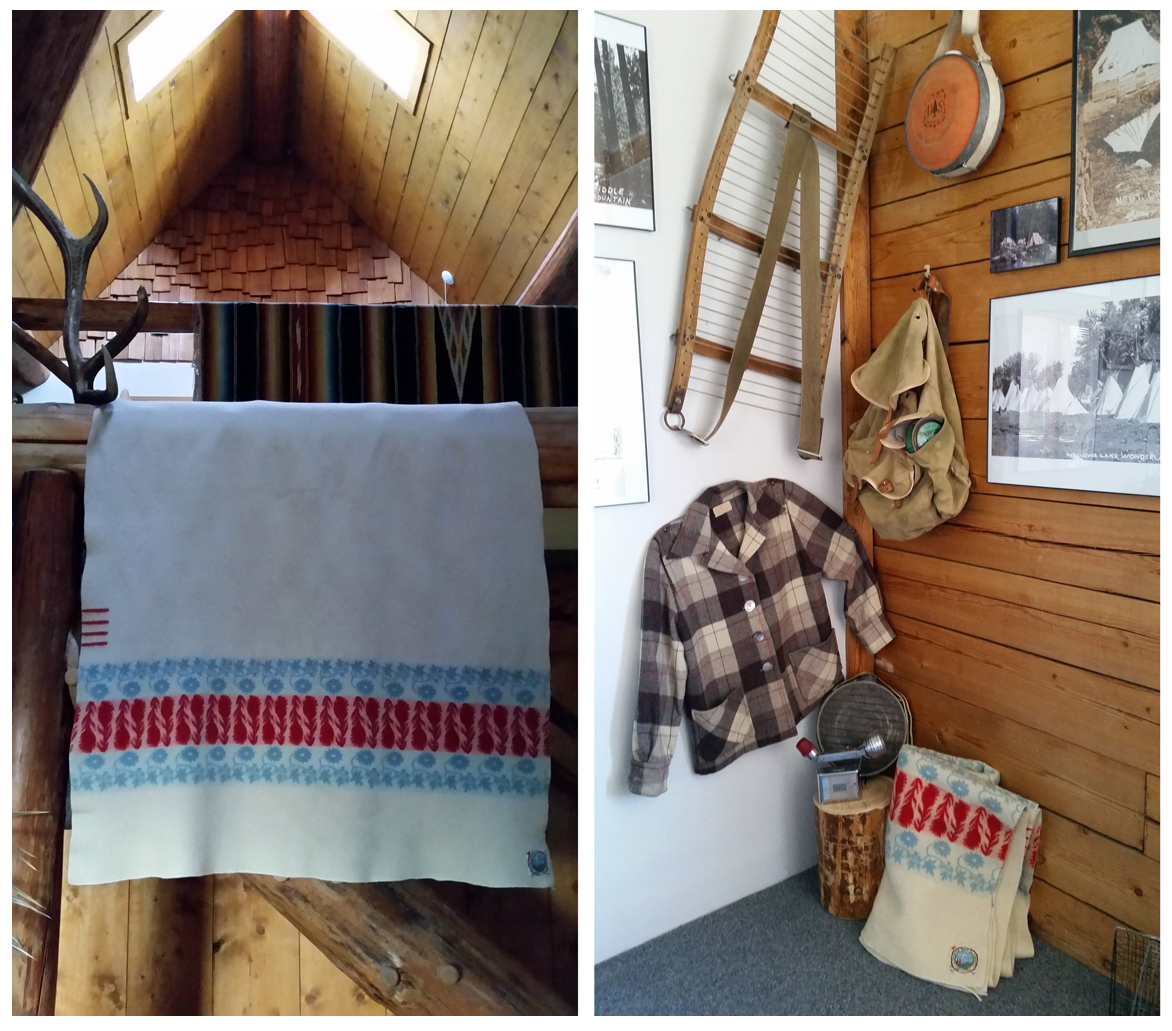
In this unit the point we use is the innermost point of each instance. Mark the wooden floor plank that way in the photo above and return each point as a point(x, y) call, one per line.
point(169, 966)
point(91, 973)
point(1091, 789)
point(1048, 696)
point(256, 954)
point(326, 991)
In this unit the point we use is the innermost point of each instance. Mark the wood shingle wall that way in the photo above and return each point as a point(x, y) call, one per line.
point(1029, 625)
point(262, 234)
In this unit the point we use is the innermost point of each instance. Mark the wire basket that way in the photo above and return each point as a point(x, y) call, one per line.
point(1135, 974)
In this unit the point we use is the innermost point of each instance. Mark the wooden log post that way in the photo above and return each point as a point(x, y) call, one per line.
point(851, 838)
point(43, 598)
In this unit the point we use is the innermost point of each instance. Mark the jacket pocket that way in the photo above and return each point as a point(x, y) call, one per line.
point(725, 727)
point(814, 670)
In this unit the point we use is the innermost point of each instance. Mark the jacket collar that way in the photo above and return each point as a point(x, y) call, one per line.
point(697, 538)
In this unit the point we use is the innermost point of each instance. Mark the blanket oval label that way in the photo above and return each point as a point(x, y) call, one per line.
point(964, 960)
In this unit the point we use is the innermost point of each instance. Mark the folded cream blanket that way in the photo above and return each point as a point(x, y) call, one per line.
point(960, 857)
point(315, 644)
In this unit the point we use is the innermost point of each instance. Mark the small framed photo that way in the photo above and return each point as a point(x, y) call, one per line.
point(1024, 236)
point(1115, 130)
point(1074, 388)
point(623, 189)
point(620, 441)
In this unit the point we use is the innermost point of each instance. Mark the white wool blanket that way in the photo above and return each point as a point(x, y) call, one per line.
point(960, 855)
point(315, 644)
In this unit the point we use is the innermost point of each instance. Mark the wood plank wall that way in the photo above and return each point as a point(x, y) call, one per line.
point(261, 234)
point(1028, 626)
point(482, 177)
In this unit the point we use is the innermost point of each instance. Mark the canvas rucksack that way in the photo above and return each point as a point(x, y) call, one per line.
point(904, 490)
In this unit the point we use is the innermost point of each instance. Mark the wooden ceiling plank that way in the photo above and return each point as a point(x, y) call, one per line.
point(445, 188)
point(232, 82)
point(551, 99)
point(50, 253)
point(41, 278)
point(451, 74)
point(359, 99)
point(493, 53)
point(70, 204)
point(327, 992)
point(384, 110)
point(553, 231)
point(257, 965)
point(82, 139)
point(542, 202)
point(189, 157)
point(106, 112)
point(333, 111)
point(405, 133)
point(484, 146)
point(203, 75)
point(312, 65)
point(142, 162)
point(162, 130)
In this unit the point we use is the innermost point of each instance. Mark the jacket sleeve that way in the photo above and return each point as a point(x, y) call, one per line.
point(662, 677)
point(831, 543)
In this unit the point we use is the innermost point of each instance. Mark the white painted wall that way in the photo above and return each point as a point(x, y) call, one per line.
point(660, 862)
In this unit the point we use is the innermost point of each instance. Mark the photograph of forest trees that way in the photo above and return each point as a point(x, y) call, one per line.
point(623, 191)
point(1074, 380)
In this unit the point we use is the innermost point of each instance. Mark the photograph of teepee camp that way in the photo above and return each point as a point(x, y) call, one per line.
point(1074, 387)
point(1115, 187)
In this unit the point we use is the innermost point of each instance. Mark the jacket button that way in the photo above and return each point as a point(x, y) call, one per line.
point(750, 605)
point(758, 636)
point(885, 486)
point(742, 577)
point(766, 667)
point(952, 469)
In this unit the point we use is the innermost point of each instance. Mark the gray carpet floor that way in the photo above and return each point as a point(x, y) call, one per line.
point(779, 952)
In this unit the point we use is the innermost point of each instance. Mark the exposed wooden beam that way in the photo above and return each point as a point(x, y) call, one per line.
point(271, 61)
point(43, 592)
point(48, 313)
point(408, 949)
point(27, 372)
point(556, 279)
point(49, 50)
point(54, 436)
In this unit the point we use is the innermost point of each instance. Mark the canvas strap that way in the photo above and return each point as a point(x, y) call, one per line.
point(800, 161)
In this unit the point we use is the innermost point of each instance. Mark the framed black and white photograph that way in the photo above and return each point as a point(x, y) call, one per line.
point(620, 443)
point(1074, 388)
point(1115, 145)
point(1024, 236)
point(623, 191)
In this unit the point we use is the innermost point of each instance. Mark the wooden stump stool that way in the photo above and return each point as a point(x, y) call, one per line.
point(851, 838)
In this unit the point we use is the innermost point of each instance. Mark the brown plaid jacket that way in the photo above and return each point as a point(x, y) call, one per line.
point(735, 627)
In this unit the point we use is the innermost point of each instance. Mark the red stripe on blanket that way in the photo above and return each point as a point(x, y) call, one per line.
point(337, 722)
point(921, 806)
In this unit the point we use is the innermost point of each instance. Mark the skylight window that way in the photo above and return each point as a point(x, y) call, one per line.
point(158, 45)
point(383, 41)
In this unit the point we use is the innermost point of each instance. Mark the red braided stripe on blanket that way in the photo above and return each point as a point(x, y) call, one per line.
point(921, 806)
point(129, 724)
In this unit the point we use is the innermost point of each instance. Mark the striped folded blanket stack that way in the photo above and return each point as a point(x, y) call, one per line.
point(960, 857)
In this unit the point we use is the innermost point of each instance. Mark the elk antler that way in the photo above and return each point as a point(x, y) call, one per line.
point(75, 253)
